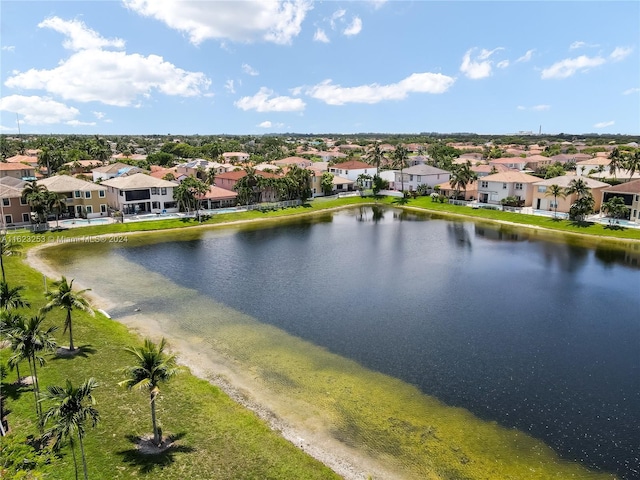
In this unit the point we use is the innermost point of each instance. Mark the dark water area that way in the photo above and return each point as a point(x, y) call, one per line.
point(537, 335)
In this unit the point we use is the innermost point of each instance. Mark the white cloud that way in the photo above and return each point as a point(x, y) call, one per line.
point(526, 57)
point(337, 15)
point(629, 91)
point(263, 101)
point(569, 66)
point(577, 44)
point(8, 48)
point(36, 110)
point(99, 115)
point(321, 36)
point(112, 78)
point(520, 107)
point(249, 70)
point(79, 36)
point(265, 124)
point(480, 66)
point(604, 124)
point(354, 28)
point(229, 86)
point(277, 21)
point(620, 53)
point(78, 123)
point(503, 64)
point(377, 3)
point(374, 93)
point(540, 108)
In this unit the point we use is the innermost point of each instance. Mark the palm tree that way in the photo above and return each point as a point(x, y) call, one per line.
point(37, 197)
point(461, 176)
point(579, 187)
point(374, 156)
point(72, 411)
point(11, 298)
point(632, 163)
point(7, 248)
point(28, 338)
point(153, 366)
point(8, 320)
point(64, 297)
point(615, 209)
point(400, 156)
point(617, 159)
point(555, 191)
point(56, 203)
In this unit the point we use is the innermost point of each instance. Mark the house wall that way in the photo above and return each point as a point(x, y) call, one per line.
point(352, 174)
point(116, 198)
point(15, 211)
point(411, 182)
point(497, 191)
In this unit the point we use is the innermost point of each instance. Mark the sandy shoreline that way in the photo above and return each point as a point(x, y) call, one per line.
point(223, 372)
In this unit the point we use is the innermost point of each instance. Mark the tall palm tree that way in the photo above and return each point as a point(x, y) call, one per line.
point(36, 196)
point(7, 248)
point(28, 338)
point(555, 191)
point(374, 156)
point(461, 176)
point(72, 411)
point(632, 163)
point(64, 297)
point(153, 366)
point(400, 156)
point(579, 187)
point(11, 298)
point(617, 160)
point(8, 320)
point(56, 203)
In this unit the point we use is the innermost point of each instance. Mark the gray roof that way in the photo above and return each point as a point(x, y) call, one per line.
point(424, 170)
point(564, 180)
point(66, 183)
point(13, 182)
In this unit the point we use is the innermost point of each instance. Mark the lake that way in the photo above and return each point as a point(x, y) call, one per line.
point(535, 333)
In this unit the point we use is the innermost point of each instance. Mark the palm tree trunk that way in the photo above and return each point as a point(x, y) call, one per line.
point(36, 388)
point(84, 459)
point(73, 452)
point(4, 279)
point(156, 434)
point(70, 330)
point(35, 395)
point(18, 371)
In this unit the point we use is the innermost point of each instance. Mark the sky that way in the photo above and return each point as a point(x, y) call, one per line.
point(135, 67)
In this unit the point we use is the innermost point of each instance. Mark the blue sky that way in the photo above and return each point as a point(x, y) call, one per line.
point(260, 67)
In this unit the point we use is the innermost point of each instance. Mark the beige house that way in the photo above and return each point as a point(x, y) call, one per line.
point(235, 157)
point(630, 193)
point(83, 199)
point(17, 170)
point(140, 193)
point(494, 188)
point(543, 201)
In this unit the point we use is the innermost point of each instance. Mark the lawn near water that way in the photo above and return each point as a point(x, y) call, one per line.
point(218, 438)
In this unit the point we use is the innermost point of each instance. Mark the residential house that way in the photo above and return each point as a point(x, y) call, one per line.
point(15, 209)
point(24, 159)
point(543, 201)
point(114, 170)
point(194, 167)
point(486, 169)
point(469, 194)
point(537, 161)
point(82, 198)
point(217, 197)
point(412, 177)
point(20, 171)
point(82, 166)
point(592, 165)
point(228, 180)
point(352, 169)
point(330, 156)
point(161, 172)
point(514, 163)
point(290, 161)
point(140, 193)
point(630, 193)
point(235, 157)
point(493, 188)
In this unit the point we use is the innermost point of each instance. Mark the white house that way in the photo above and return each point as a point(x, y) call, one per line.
point(417, 175)
point(140, 193)
point(113, 170)
point(352, 170)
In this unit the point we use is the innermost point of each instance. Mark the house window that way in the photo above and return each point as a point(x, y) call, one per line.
point(553, 204)
point(155, 205)
point(102, 193)
point(103, 208)
point(23, 201)
point(121, 193)
point(411, 178)
point(542, 188)
point(504, 186)
point(6, 202)
point(25, 217)
point(89, 209)
point(484, 184)
point(518, 186)
point(77, 194)
point(87, 194)
point(8, 219)
point(154, 190)
point(163, 190)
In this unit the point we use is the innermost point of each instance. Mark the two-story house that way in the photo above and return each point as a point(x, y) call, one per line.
point(493, 188)
point(542, 200)
point(20, 171)
point(82, 199)
point(14, 208)
point(352, 170)
point(412, 177)
point(140, 193)
point(630, 194)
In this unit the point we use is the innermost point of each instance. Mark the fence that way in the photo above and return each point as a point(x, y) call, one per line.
point(273, 205)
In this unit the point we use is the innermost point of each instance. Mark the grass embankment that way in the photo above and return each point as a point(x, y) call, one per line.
point(218, 438)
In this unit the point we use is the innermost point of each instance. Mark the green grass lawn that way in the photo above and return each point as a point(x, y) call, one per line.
point(220, 439)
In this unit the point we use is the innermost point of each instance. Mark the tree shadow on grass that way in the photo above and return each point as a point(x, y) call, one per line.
point(401, 201)
point(149, 461)
point(14, 390)
point(581, 223)
point(614, 227)
point(63, 353)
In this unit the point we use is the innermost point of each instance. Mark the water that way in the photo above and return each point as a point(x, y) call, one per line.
point(84, 222)
point(537, 335)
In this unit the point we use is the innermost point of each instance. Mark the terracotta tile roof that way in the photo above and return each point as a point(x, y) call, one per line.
point(352, 165)
point(218, 193)
point(595, 161)
point(22, 159)
point(14, 166)
point(511, 176)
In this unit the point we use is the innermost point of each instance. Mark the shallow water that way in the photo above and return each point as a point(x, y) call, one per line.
point(540, 336)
